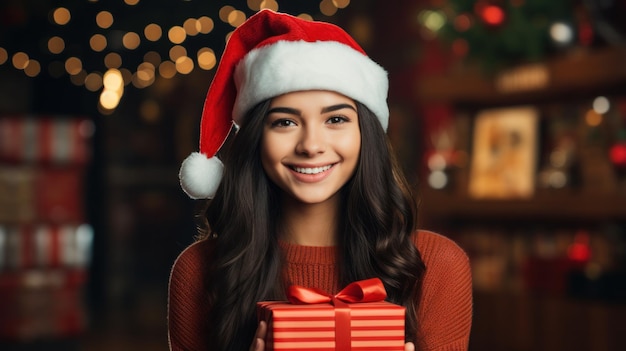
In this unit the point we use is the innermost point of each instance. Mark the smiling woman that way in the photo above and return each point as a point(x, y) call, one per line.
point(303, 190)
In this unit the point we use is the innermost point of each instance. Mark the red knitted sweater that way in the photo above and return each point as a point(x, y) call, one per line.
point(444, 311)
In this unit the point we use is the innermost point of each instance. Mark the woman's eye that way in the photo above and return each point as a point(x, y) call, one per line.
point(337, 119)
point(283, 123)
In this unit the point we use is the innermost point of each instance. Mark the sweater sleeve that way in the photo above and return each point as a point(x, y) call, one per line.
point(188, 306)
point(444, 313)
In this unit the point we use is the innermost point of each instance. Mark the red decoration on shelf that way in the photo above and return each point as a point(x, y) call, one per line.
point(491, 14)
point(579, 250)
point(618, 154)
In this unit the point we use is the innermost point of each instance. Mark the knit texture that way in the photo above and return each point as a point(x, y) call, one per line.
point(444, 308)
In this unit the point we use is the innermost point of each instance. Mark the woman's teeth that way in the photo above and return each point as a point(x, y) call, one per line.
point(314, 170)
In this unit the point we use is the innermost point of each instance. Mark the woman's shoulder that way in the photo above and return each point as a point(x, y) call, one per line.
point(436, 246)
point(193, 259)
point(188, 296)
point(441, 255)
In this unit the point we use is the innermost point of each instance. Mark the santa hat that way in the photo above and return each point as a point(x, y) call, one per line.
point(269, 55)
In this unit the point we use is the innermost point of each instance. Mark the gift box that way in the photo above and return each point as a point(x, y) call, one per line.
point(356, 319)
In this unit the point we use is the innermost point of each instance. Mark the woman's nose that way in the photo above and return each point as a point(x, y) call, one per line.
point(312, 142)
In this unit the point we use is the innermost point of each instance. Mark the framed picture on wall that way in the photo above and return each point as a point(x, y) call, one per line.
point(504, 153)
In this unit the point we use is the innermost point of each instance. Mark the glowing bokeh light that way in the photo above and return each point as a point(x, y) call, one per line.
point(56, 45)
point(177, 51)
point(206, 59)
point(112, 80)
point(592, 118)
point(98, 42)
point(167, 69)
point(254, 5)
point(61, 16)
point(206, 24)
point(93, 81)
point(236, 18)
point(20, 60)
point(269, 4)
point(601, 105)
point(104, 19)
point(176, 35)
point(192, 28)
point(562, 33)
point(328, 8)
point(33, 68)
point(113, 60)
point(4, 56)
point(184, 65)
point(131, 40)
point(492, 15)
point(153, 32)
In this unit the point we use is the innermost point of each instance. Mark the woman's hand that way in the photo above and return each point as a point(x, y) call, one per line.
point(409, 346)
point(258, 343)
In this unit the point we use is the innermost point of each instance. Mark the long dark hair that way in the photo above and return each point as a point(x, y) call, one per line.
point(375, 233)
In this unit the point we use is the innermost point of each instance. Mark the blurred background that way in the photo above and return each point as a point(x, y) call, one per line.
point(509, 117)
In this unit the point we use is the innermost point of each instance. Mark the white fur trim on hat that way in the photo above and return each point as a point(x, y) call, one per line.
point(200, 176)
point(288, 66)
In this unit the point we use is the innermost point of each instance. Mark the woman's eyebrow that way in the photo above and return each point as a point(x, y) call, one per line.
point(295, 111)
point(288, 110)
point(337, 107)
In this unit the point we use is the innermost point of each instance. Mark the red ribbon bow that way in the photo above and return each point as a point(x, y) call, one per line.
point(368, 290)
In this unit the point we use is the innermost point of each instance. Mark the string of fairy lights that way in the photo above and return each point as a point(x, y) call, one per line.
point(115, 74)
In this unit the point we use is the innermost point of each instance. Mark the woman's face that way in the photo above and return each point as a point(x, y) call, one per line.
point(311, 144)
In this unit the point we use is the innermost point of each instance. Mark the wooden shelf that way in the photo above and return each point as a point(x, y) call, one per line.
point(552, 206)
point(578, 73)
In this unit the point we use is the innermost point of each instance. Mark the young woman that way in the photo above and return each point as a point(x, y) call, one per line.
point(304, 191)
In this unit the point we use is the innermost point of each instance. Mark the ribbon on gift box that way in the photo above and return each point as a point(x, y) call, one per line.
point(368, 290)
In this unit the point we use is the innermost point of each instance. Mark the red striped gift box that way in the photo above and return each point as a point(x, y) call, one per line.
point(336, 325)
point(45, 139)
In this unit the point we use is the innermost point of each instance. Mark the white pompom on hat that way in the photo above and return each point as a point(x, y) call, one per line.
point(269, 55)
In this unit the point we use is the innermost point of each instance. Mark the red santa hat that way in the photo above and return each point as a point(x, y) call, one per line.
point(269, 55)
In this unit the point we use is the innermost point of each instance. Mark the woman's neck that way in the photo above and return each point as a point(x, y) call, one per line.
point(310, 224)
